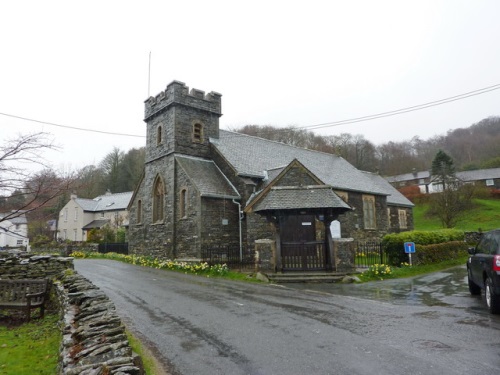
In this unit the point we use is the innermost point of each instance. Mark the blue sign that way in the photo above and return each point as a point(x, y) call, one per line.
point(409, 247)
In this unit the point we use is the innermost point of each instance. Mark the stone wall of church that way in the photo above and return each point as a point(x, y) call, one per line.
point(220, 222)
point(187, 220)
point(146, 237)
point(352, 222)
point(296, 176)
point(394, 224)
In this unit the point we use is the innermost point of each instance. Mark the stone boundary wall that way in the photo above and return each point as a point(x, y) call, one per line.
point(94, 340)
point(25, 266)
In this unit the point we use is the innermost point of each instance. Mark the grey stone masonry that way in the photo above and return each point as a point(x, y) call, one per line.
point(94, 339)
point(178, 93)
point(171, 117)
point(33, 267)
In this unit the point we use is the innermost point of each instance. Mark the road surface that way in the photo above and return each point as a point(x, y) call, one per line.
point(199, 325)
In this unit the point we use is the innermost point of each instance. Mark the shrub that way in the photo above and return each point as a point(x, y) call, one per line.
point(393, 244)
point(434, 253)
point(378, 271)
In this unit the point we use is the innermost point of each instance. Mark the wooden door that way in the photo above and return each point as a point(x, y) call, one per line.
point(299, 249)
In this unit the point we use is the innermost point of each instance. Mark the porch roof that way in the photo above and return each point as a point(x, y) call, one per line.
point(207, 177)
point(300, 197)
point(96, 224)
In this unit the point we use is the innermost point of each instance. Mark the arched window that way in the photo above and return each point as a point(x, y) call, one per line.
point(198, 132)
point(183, 203)
point(158, 200)
point(159, 135)
point(139, 211)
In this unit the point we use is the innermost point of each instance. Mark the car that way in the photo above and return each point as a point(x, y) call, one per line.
point(483, 269)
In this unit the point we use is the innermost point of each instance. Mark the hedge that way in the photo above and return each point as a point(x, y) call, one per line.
point(429, 254)
point(393, 244)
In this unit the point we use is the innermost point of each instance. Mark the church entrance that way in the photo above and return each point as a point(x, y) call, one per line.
point(300, 249)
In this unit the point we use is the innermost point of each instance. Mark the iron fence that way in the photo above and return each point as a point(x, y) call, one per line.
point(369, 253)
point(231, 255)
point(119, 248)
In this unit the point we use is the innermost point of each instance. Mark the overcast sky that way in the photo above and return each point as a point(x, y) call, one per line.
point(302, 63)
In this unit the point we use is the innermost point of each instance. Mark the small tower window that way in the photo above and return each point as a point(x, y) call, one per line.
point(139, 211)
point(198, 132)
point(159, 135)
point(183, 203)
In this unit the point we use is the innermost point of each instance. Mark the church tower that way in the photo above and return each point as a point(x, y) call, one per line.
point(181, 121)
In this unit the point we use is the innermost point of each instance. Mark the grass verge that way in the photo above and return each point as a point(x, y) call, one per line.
point(29, 348)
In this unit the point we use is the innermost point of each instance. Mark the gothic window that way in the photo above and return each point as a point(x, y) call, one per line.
point(198, 132)
point(183, 203)
point(159, 135)
point(369, 211)
point(158, 200)
point(402, 219)
point(139, 211)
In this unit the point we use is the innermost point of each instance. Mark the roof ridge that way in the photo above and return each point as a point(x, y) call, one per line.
point(280, 143)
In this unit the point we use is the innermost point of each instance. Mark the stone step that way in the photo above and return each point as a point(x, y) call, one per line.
point(327, 277)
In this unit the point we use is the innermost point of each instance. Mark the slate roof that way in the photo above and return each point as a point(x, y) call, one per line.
point(480, 174)
point(409, 176)
point(17, 220)
point(251, 156)
point(207, 177)
point(96, 224)
point(106, 202)
point(289, 197)
point(395, 198)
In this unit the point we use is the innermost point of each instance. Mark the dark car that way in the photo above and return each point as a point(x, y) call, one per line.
point(483, 269)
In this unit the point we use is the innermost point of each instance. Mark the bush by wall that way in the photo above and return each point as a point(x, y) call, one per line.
point(429, 254)
point(393, 244)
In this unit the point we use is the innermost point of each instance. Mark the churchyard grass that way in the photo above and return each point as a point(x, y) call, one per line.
point(29, 348)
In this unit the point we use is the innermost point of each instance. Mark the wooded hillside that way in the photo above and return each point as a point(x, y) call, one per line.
point(475, 147)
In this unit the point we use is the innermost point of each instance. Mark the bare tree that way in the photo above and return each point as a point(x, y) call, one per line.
point(24, 190)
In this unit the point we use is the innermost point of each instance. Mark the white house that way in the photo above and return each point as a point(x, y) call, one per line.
point(14, 231)
point(80, 215)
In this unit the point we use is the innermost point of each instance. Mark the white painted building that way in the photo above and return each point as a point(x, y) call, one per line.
point(80, 215)
point(14, 231)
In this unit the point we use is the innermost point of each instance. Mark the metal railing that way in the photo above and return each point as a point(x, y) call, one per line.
point(231, 255)
point(119, 248)
point(369, 253)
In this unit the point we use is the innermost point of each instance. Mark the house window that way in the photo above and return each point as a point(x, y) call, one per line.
point(197, 132)
point(490, 182)
point(369, 211)
point(183, 203)
point(139, 211)
point(19, 242)
point(76, 213)
point(159, 135)
point(402, 219)
point(102, 215)
point(74, 234)
point(388, 217)
point(65, 234)
point(66, 214)
point(158, 200)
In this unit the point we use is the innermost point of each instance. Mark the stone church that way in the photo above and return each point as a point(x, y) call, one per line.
point(204, 187)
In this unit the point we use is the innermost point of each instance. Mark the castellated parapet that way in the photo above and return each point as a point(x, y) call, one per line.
point(177, 93)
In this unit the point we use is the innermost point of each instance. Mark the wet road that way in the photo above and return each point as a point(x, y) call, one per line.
point(429, 325)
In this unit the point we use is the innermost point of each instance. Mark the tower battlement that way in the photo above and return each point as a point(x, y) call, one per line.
point(177, 93)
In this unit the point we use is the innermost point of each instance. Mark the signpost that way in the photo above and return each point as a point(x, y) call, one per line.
point(409, 249)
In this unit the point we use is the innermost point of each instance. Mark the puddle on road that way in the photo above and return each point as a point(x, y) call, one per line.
point(438, 289)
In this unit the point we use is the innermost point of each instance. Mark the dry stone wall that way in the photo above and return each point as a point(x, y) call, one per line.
point(94, 340)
